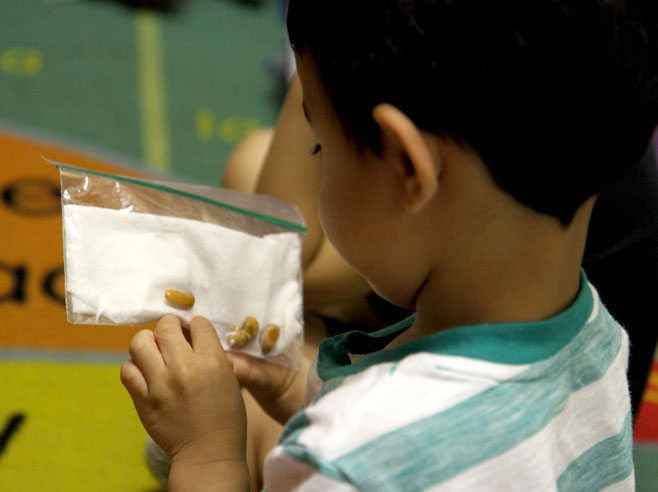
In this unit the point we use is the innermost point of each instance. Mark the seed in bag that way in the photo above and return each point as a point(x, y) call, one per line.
point(179, 299)
point(244, 333)
point(269, 337)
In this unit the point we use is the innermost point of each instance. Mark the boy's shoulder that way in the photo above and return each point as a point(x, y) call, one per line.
point(440, 415)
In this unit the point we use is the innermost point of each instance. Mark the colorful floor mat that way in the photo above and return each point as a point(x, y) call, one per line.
point(66, 423)
point(169, 93)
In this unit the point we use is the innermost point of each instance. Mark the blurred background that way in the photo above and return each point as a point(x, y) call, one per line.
point(152, 88)
point(168, 91)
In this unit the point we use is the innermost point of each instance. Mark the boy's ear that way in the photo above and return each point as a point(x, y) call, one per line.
point(418, 165)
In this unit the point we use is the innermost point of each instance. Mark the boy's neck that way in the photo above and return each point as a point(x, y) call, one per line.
point(510, 274)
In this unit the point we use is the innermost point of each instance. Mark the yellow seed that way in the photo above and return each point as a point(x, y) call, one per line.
point(269, 337)
point(250, 326)
point(179, 299)
point(237, 339)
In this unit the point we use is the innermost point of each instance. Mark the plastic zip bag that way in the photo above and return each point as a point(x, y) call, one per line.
point(131, 244)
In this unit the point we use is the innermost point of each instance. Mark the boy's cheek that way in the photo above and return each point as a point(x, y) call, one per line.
point(324, 215)
point(335, 224)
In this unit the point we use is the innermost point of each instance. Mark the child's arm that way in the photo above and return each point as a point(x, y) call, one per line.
point(189, 401)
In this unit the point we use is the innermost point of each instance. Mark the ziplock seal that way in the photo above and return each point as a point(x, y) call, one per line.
point(146, 184)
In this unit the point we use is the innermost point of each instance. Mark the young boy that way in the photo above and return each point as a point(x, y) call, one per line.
point(462, 146)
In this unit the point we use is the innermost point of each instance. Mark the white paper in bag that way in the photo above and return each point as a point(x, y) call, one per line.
point(119, 263)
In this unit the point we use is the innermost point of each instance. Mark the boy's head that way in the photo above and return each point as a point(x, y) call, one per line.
point(558, 97)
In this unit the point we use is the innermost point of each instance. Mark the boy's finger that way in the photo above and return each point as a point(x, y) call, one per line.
point(133, 379)
point(257, 375)
point(240, 368)
point(204, 336)
point(249, 372)
point(145, 355)
point(169, 336)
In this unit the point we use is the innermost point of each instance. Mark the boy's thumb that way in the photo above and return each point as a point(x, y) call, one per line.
point(248, 372)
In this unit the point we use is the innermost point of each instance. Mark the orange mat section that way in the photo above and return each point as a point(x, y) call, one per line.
point(646, 424)
point(31, 258)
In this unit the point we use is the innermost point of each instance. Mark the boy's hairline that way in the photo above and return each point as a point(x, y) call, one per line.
point(368, 139)
point(364, 145)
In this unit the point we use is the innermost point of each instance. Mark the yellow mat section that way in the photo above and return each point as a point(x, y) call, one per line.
point(80, 431)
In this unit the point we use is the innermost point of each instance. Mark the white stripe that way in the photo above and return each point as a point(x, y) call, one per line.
point(592, 414)
point(351, 415)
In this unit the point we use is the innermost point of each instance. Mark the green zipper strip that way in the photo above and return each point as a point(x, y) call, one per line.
point(267, 218)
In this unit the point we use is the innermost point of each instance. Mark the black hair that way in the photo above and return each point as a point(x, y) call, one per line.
point(558, 97)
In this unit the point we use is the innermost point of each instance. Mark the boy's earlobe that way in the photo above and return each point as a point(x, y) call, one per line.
point(419, 166)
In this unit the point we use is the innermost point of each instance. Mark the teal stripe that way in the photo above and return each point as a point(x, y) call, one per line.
point(608, 462)
point(168, 189)
point(440, 447)
point(507, 343)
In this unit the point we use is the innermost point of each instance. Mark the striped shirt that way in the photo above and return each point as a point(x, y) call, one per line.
point(524, 406)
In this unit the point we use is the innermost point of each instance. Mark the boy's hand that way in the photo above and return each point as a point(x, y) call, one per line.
point(187, 396)
point(277, 389)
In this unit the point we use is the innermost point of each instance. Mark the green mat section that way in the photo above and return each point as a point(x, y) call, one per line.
point(75, 71)
point(645, 458)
